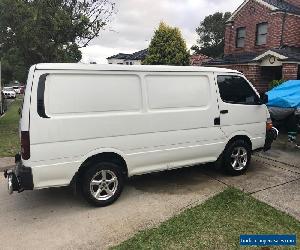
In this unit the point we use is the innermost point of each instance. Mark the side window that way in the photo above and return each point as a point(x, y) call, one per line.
point(261, 33)
point(240, 37)
point(235, 89)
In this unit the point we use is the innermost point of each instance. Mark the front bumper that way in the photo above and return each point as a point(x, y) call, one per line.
point(271, 136)
point(19, 178)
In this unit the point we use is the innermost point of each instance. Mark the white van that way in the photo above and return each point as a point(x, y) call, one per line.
point(96, 125)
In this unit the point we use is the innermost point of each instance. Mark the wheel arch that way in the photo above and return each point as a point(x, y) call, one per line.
point(235, 137)
point(100, 155)
point(243, 137)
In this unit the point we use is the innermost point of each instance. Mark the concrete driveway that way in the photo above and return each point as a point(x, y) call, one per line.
point(55, 219)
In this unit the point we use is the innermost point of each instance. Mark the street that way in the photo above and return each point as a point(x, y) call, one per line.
point(56, 219)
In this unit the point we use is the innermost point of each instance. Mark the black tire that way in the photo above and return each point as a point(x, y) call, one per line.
point(228, 160)
point(91, 173)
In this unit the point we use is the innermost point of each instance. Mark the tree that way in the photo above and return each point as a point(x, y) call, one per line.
point(167, 47)
point(36, 31)
point(212, 35)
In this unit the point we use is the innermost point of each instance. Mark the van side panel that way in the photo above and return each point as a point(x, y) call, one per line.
point(155, 121)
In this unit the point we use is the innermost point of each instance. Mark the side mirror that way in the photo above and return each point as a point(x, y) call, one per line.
point(263, 99)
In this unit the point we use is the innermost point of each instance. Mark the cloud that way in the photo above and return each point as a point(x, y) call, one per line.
point(136, 20)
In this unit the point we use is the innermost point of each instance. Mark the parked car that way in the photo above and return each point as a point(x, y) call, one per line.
point(137, 120)
point(17, 89)
point(9, 92)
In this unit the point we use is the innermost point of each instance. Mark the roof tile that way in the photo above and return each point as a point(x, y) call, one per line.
point(284, 6)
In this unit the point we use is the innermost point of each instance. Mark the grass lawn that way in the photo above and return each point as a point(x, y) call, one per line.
point(216, 224)
point(9, 123)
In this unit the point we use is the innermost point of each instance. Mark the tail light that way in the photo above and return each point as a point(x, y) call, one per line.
point(25, 145)
point(269, 124)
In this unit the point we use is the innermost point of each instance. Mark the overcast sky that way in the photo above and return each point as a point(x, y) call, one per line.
point(133, 25)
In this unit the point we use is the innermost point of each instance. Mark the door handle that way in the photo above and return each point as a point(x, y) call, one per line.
point(223, 112)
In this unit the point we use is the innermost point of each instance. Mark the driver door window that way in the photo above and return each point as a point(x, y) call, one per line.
point(236, 90)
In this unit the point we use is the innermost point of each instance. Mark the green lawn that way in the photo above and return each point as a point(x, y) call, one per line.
point(9, 123)
point(216, 224)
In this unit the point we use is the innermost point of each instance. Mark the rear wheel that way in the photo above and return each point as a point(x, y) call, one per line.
point(236, 157)
point(102, 183)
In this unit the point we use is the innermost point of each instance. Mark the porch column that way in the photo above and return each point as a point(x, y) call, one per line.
point(289, 71)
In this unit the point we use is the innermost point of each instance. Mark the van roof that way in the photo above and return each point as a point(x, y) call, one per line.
point(115, 67)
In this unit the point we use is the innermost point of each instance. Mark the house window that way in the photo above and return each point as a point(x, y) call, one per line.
point(261, 33)
point(240, 37)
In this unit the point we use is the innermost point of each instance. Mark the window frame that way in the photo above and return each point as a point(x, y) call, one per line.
point(237, 37)
point(256, 94)
point(257, 33)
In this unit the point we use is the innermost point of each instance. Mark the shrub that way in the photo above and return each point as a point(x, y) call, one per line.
point(275, 83)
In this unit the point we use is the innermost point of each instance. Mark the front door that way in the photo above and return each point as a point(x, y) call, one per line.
point(240, 110)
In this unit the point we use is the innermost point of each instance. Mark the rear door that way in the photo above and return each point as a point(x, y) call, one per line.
point(240, 110)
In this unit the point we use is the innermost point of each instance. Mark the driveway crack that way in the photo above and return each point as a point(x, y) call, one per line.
point(216, 179)
point(275, 166)
point(278, 185)
point(276, 161)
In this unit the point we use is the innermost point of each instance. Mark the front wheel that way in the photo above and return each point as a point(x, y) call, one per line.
point(237, 156)
point(102, 183)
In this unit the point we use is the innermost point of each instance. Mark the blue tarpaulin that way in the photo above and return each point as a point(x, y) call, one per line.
point(286, 95)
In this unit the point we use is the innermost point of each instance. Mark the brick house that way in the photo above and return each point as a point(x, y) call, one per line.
point(262, 40)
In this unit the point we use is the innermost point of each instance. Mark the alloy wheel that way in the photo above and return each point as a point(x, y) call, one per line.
point(239, 158)
point(103, 185)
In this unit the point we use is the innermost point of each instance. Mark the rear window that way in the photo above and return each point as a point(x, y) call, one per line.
point(92, 93)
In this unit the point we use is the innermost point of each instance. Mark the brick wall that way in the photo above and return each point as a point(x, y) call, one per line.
point(275, 29)
point(291, 36)
point(254, 13)
point(290, 71)
point(228, 39)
